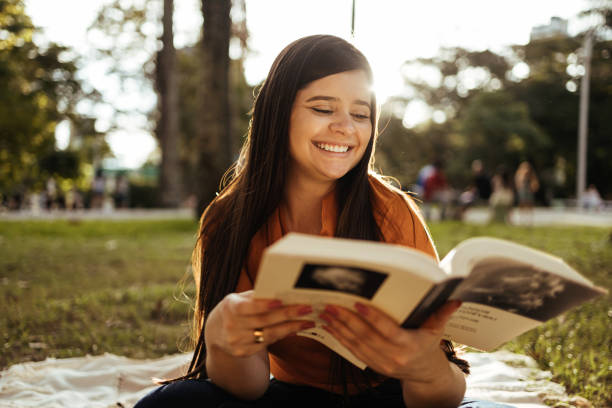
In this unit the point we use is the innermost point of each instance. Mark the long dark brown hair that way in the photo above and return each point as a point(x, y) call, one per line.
point(253, 188)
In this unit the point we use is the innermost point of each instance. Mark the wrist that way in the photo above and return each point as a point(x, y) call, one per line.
point(439, 384)
point(430, 369)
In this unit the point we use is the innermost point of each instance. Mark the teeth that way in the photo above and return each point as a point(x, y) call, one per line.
point(332, 148)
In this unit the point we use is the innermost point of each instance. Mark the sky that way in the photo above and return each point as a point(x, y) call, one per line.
point(388, 32)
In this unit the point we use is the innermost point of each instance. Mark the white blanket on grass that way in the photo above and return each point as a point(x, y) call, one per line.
point(114, 381)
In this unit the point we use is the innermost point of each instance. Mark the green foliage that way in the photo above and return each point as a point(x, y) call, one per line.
point(555, 108)
point(496, 119)
point(143, 195)
point(456, 68)
point(120, 25)
point(38, 89)
point(61, 163)
point(401, 152)
point(493, 115)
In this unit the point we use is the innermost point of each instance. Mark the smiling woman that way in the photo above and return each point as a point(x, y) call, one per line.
point(306, 167)
point(330, 128)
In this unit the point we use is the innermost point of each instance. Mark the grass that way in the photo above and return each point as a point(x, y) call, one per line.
point(69, 289)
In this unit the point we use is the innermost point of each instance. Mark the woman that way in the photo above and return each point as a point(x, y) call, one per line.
point(502, 198)
point(306, 167)
point(527, 185)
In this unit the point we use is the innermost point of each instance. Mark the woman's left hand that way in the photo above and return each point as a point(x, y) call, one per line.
point(387, 348)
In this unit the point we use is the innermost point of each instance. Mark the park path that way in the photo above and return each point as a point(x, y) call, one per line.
point(480, 215)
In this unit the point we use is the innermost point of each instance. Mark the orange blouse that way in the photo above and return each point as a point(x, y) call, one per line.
point(300, 360)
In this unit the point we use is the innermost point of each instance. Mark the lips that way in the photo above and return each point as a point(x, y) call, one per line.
point(335, 148)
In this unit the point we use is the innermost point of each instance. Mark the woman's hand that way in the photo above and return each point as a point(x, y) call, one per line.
point(405, 354)
point(237, 358)
point(232, 323)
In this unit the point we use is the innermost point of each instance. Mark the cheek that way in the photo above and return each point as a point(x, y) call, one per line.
point(365, 134)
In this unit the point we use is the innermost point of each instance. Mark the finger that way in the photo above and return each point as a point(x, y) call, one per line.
point(244, 304)
point(379, 320)
point(339, 315)
point(276, 316)
point(350, 344)
point(440, 317)
point(274, 333)
point(370, 324)
point(357, 331)
point(376, 359)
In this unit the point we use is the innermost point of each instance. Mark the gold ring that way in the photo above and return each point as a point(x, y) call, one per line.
point(258, 335)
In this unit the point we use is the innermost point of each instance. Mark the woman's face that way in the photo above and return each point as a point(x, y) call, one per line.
point(330, 126)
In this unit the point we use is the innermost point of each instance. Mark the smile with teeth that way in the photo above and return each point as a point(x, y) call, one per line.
point(333, 147)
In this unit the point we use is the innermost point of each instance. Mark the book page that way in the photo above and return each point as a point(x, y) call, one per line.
point(461, 260)
point(485, 327)
point(523, 289)
point(504, 298)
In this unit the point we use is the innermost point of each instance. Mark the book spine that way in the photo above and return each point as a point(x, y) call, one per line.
point(435, 298)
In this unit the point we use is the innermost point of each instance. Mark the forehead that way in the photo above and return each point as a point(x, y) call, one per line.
point(349, 85)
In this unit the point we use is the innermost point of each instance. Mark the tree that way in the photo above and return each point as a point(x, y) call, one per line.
point(446, 82)
point(499, 130)
point(214, 145)
point(551, 95)
point(168, 123)
point(402, 152)
point(190, 112)
point(38, 89)
point(476, 93)
point(121, 24)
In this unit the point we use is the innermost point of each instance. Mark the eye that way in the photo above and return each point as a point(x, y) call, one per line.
point(361, 116)
point(321, 110)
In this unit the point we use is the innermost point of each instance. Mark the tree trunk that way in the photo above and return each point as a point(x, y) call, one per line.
point(168, 125)
point(214, 147)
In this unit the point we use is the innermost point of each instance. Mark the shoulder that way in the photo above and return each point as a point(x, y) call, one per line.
point(390, 200)
point(399, 217)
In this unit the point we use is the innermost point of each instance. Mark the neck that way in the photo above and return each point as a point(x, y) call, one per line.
point(302, 203)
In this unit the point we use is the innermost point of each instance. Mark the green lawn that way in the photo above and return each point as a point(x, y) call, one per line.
point(69, 289)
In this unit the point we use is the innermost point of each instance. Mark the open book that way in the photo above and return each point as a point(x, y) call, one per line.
point(506, 288)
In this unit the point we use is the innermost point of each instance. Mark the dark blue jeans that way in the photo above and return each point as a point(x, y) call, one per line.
point(204, 394)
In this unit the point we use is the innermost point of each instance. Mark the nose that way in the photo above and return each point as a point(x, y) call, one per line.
point(342, 122)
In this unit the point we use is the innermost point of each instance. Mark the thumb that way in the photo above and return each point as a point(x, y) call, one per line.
point(440, 317)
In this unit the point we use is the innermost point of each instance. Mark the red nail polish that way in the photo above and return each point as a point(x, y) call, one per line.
point(362, 309)
point(304, 310)
point(275, 304)
point(332, 310)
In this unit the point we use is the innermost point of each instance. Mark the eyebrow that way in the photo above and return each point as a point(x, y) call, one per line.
point(334, 99)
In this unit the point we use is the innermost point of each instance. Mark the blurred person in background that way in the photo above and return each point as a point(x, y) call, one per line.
point(591, 199)
point(479, 190)
point(98, 190)
point(502, 197)
point(122, 191)
point(481, 182)
point(526, 184)
point(437, 193)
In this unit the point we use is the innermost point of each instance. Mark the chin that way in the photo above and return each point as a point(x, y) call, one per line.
point(335, 175)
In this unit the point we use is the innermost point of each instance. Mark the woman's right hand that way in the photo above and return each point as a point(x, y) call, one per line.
point(231, 324)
